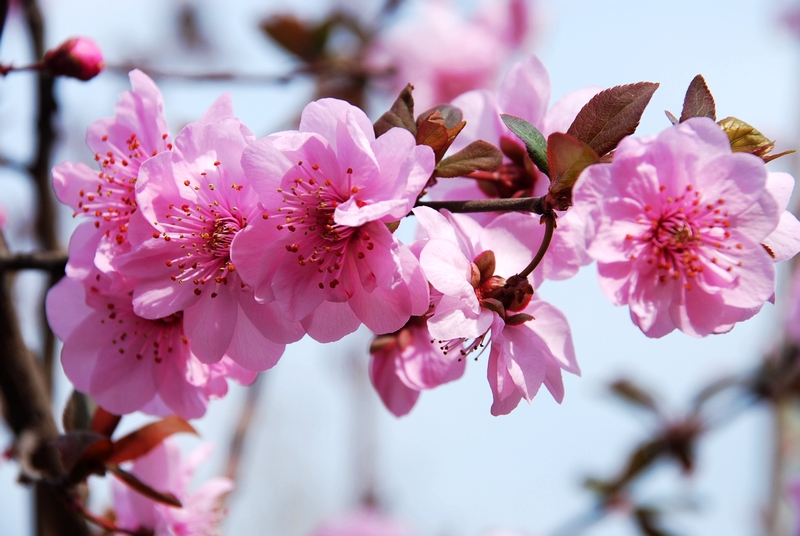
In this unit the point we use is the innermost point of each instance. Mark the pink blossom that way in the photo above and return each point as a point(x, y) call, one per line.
point(193, 201)
point(366, 522)
point(128, 363)
point(459, 63)
point(409, 361)
point(79, 57)
point(677, 224)
point(163, 470)
point(321, 248)
point(530, 339)
point(3, 217)
point(120, 144)
point(524, 92)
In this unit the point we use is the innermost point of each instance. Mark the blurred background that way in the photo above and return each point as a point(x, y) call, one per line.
point(320, 443)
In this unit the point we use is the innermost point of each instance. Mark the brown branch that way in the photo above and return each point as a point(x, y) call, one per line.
point(523, 204)
point(239, 438)
point(155, 73)
point(51, 261)
point(26, 409)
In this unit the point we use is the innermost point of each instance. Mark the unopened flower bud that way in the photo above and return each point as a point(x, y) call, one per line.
point(79, 57)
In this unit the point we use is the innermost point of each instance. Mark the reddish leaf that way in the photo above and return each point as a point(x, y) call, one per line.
point(566, 158)
point(140, 487)
point(611, 115)
point(304, 41)
point(477, 156)
point(634, 394)
point(433, 130)
point(144, 439)
point(104, 422)
point(745, 138)
point(698, 101)
point(401, 114)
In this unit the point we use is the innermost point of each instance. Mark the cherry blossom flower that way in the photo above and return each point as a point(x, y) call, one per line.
point(497, 31)
point(129, 363)
point(409, 361)
point(366, 522)
point(524, 92)
point(137, 132)
point(531, 342)
point(321, 249)
point(163, 470)
point(677, 222)
point(193, 201)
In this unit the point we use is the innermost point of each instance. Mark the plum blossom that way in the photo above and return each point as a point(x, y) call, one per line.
point(495, 33)
point(129, 363)
point(524, 92)
point(531, 342)
point(321, 249)
point(163, 470)
point(120, 144)
point(193, 201)
point(409, 361)
point(366, 522)
point(678, 224)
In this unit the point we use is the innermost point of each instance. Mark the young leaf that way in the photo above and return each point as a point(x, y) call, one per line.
point(144, 439)
point(698, 101)
point(104, 422)
point(140, 487)
point(746, 139)
point(452, 115)
point(477, 156)
point(611, 115)
point(567, 158)
point(533, 139)
point(401, 114)
point(434, 130)
point(634, 394)
point(76, 413)
point(305, 42)
point(672, 119)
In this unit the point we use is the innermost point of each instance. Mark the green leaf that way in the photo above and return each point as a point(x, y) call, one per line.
point(401, 114)
point(611, 115)
point(477, 156)
point(698, 101)
point(533, 139)
point(567, 158)
point(144, 439)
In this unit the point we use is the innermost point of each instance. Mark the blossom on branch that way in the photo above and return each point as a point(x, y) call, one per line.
point(681, 226)
point(321, 249)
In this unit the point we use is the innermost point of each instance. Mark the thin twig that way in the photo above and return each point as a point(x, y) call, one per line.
point(50, 261)
point(239, 438)
point(549, 220)
point(247, 78)
point(522, 204)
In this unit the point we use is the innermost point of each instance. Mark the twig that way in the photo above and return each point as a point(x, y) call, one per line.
point(50, 261)
point(239, 438)
point(155, 73)
point(550, 225)
point(523, 204)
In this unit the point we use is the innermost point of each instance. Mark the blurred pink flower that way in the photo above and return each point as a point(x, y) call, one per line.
point(321, 249)
point(442, 53)
point(163, 470)
point(79, 57)
point(3, 217)
point(366, 522)
point(676, 223)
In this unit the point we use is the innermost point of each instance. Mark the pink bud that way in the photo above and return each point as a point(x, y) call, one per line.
point(79, 57)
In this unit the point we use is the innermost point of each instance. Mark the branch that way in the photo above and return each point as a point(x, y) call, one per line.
point(549, 220)
point(51, 261)
point(522, 204)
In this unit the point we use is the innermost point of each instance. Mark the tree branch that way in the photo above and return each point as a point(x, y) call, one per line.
point(522, 204)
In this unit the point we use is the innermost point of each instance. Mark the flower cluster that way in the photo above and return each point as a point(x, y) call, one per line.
point(205, 254)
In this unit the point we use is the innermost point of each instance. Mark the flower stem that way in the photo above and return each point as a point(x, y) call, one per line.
point(525, 204)
point(549, 220)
